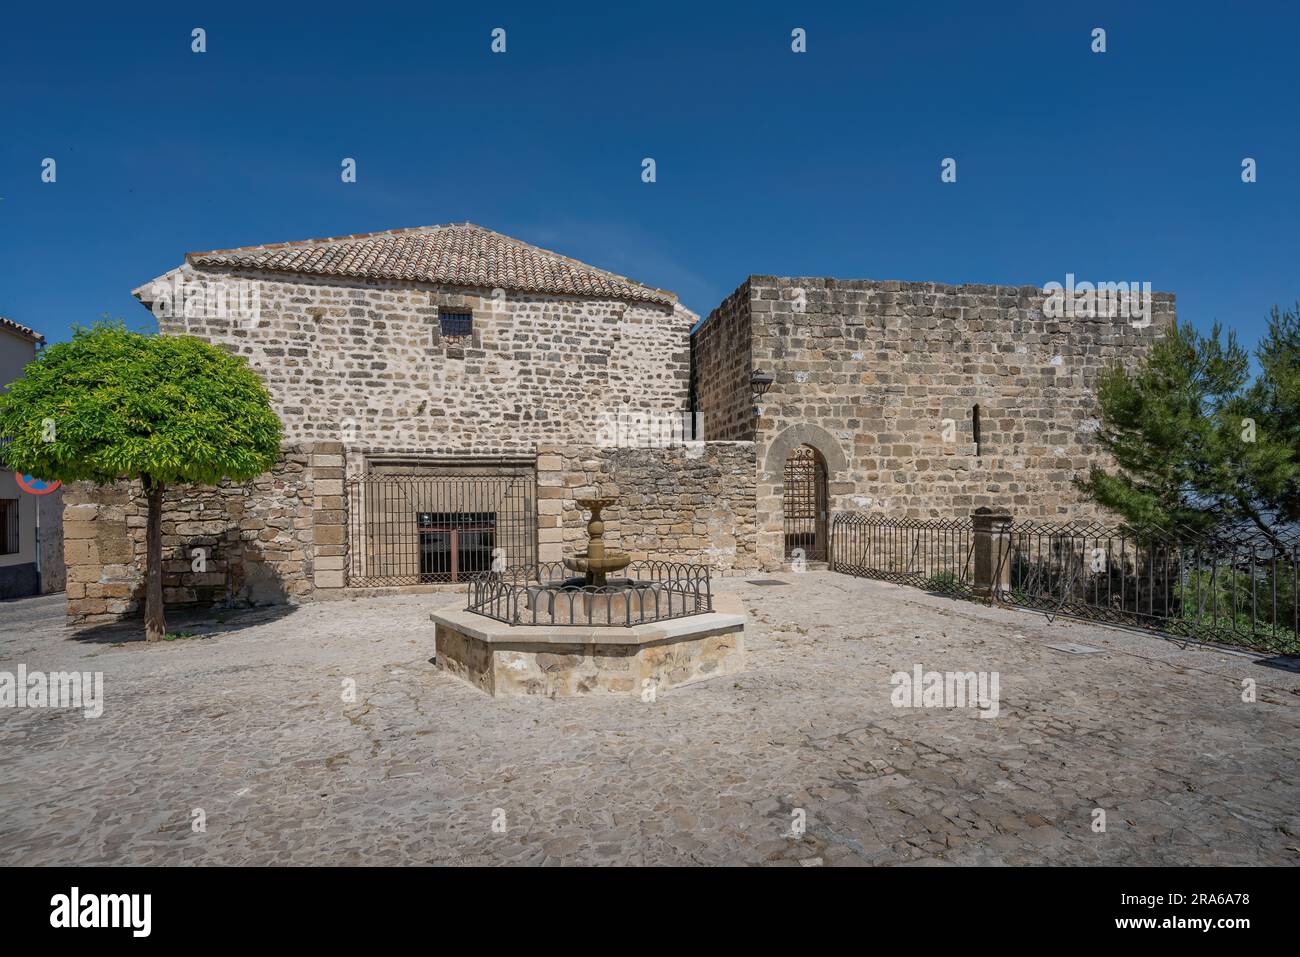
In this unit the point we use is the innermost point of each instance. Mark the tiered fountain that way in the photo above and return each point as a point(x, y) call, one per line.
point(595, 563)
point(595, 598)
point(540, 630)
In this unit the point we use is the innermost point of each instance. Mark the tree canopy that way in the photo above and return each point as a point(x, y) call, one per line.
point(1195, 442)
point(113, 404)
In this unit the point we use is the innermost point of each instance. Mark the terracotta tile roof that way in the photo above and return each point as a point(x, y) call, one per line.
point(21, 330)
point(457, 254)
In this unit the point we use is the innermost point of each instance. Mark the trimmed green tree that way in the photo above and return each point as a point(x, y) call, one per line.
point(112, 404)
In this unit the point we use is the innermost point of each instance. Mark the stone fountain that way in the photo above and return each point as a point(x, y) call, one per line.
point(540, 630)
point(595, 563)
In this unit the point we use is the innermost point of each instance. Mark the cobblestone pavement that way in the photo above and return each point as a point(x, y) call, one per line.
point(246, 721)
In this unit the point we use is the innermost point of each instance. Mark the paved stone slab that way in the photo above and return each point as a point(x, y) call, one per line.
point(1071, 648)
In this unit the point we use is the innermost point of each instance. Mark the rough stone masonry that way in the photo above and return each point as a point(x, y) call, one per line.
point(883, 379)
point(458, 346)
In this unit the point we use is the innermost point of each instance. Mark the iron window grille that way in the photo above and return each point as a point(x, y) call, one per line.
point(411, 529)
point(9, 540)
point(456, 325)
point(454, 544)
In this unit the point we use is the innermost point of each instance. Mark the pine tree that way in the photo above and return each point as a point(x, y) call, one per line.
point(1196, 445)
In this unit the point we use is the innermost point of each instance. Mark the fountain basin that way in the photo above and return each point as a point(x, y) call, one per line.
point(610, 562)
point(564, 660)
point(534, 630)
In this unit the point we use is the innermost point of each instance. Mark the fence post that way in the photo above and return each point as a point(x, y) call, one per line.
point(992, 546)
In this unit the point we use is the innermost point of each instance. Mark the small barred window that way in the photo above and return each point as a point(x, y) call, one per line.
point(456, 325)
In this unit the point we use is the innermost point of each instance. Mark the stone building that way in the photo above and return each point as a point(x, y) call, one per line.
point(447, 392)
point(914, 400)
point(418, 374)
point(441, 340)
point(31, 525)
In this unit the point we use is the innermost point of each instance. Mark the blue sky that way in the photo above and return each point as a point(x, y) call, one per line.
point(1122, 166)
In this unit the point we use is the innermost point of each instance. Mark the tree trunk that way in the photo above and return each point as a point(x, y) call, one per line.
point(155, 624)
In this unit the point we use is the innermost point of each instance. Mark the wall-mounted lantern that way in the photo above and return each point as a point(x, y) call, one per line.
point(760, 382)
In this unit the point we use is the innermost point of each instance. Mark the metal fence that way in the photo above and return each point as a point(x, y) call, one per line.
point(420, 529)
point(546, 594)
point(1240, 588)
point(937, 556)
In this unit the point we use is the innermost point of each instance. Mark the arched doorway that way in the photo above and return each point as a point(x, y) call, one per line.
point(804, 503)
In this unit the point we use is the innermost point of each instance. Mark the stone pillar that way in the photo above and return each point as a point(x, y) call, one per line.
point(550, 503)
point(992, 544)
point(329, 515)
point(103, 568)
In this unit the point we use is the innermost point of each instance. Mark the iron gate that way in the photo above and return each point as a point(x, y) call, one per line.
point(421, 529)
point(804, 504)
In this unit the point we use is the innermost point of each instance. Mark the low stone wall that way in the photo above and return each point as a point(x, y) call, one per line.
point(689, 503)
point(558, 661)
point(274, 539)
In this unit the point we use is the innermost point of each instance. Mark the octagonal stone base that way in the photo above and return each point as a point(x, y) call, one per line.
point(564, 660)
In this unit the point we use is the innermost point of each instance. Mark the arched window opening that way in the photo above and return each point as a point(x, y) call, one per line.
point(975, 428)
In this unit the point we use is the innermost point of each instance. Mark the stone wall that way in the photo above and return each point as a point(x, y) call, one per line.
point(882, 377)
point(275, 539)
point(690, 503)
point(724, 361)
point(366, 363)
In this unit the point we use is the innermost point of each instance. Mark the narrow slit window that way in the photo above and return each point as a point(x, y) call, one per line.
point(975, 429)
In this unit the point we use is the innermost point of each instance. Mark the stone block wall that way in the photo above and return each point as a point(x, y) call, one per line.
point(882, 379)
point(724, 361)
point(277, 538)
point(365, 362)
point(690, 503)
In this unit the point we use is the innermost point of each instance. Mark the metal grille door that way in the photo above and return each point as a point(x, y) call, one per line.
point(804, 504)
point(420, 529)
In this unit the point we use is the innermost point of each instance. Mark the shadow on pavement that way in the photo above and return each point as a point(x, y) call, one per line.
point(184, 624)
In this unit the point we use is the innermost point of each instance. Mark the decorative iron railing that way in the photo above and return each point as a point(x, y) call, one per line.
point(934, 555)
point(543, 594)
point(1241, 588)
